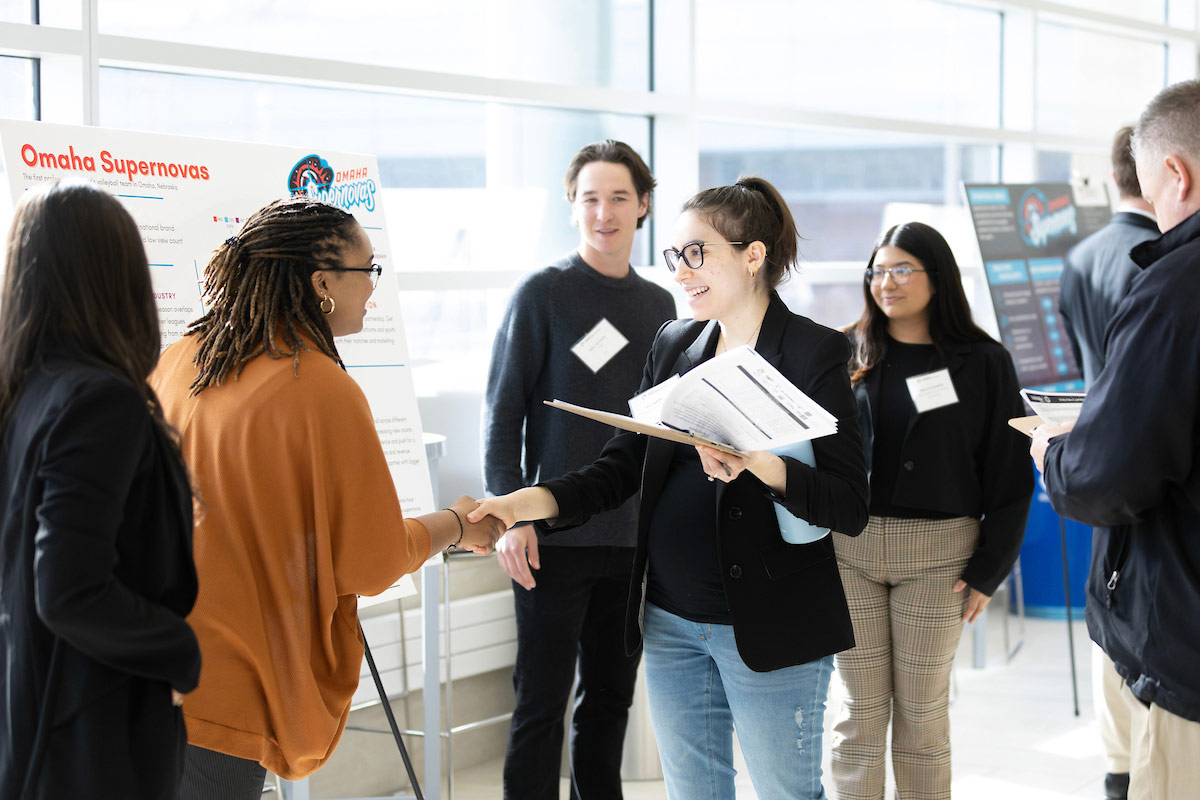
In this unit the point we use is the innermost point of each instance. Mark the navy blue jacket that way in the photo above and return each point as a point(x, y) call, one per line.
point(1131, 467)
point(786, 600)
point(96, 579)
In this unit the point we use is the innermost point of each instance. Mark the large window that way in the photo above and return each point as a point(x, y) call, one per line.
point(839, 185)
point(594, 43)
point(16, 10)
point(17, 88)
point(1091, 83)
point(911, 59)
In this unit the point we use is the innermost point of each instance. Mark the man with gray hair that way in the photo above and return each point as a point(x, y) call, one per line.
point(1095, 279)
point(1131, 464)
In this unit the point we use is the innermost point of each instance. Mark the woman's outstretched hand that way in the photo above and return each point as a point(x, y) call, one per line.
point(523, 505)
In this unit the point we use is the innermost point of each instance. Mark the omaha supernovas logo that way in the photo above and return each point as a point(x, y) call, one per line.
point(311, 176)
point(1040, 220)
point(346, 187)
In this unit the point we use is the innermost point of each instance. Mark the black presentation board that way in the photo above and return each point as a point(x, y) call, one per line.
point(1024, 230)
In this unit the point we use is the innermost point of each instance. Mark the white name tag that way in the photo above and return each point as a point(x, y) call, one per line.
point(599, 345)
point(932, 390)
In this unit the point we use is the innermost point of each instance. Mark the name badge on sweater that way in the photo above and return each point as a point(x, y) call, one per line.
point(932, 390)
point(599, 345)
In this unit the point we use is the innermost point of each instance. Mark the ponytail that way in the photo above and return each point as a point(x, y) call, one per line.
point(752, 210)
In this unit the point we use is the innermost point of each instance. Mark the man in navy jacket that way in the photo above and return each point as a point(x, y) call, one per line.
point(1131, 464)
point(1095, 279)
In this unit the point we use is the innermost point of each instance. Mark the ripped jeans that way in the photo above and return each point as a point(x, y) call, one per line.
point(700, 690)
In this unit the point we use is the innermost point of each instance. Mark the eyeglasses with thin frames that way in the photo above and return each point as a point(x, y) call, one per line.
point(900, 275)
point(692, 254)
point(374, 269)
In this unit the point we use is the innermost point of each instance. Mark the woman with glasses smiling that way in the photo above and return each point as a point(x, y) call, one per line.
point(299, 512)
point(735, 590)
point(950, 489)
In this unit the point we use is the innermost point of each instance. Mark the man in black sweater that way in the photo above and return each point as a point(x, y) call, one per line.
point(1131, 465)
point(578, 330)
point(1095, 279)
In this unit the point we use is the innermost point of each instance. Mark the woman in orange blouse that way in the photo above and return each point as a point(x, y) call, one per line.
point(299, 513)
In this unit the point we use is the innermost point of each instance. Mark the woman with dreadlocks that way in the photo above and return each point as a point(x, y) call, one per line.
point(300, 512)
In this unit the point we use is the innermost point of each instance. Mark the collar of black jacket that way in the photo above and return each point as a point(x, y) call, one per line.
point(770, 336)
point(1148, 252)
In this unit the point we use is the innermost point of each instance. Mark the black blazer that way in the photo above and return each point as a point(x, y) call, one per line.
point(1095, 279)
point(786, 600)
point(96, 579)
point(964, 458)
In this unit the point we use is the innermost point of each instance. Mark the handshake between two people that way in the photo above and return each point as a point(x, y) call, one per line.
point(517, 549)
point(479, 524)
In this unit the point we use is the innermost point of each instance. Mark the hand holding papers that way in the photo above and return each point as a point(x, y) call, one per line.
point(1049, 407)
point(736, 402)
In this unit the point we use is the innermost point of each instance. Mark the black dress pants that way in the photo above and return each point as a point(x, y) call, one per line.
point(575, 614)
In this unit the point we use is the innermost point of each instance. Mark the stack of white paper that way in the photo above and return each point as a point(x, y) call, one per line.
point(738, 399)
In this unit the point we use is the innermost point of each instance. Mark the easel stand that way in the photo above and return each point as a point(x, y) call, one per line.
point(391, 718)
point(1062, 533)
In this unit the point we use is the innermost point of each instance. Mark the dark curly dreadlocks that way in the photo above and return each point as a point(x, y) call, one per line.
point(258, 292)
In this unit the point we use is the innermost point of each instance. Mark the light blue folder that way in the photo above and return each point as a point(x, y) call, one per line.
point(794, 529)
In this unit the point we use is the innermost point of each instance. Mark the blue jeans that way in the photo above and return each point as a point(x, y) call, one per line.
point(700, 690)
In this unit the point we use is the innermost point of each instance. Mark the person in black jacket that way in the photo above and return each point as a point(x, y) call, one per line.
point(1096, 276)
point(739, 623)
point(950, 491)
point(96, 575)
point(1131, 465)
point(1098, 270)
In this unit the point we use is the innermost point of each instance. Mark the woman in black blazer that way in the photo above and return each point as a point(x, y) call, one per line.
point(950, 489)
point(739, 625)
point(96, 575)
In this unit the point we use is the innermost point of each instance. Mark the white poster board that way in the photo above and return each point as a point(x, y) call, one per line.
point(188, 195)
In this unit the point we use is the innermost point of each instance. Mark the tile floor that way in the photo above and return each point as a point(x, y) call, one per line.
point(1013, 726)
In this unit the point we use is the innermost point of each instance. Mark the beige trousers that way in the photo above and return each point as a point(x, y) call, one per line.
point(1112, 715)
point(899, 576)
point(1164, 752)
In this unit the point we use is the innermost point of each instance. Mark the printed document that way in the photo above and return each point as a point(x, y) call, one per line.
point(1055, 407)
point(736, 400)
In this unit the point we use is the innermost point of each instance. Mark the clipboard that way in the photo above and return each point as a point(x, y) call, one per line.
point(1026, 424)
point(630, 424)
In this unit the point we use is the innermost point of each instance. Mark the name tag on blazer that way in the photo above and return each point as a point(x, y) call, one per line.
point(794, 529)
point(932, 390)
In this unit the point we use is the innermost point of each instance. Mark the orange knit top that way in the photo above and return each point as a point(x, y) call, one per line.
point(297, 515)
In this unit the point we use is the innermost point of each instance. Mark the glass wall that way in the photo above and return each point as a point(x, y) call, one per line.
point(864, 114)
point(594, 43)
point(17, 88)
point(908, 59)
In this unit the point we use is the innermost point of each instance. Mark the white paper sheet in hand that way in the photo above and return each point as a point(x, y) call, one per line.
point(740, 399)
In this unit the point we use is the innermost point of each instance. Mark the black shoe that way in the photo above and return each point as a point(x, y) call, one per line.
point(1116, 786)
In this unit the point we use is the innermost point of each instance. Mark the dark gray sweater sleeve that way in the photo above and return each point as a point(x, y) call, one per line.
point(518, 356)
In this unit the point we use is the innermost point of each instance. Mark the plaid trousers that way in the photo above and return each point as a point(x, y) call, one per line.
point(899, 576)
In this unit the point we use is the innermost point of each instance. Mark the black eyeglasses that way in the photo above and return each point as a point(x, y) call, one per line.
point(900, 275)
point(374, 269)
point(692, 254)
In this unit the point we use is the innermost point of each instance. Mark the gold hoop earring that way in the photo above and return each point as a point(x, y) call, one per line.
point(332, 304)
point(753, 272)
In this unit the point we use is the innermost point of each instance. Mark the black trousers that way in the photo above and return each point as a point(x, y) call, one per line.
point(209, 775)
point(575, 615)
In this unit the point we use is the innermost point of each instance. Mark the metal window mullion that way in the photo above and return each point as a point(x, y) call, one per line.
point(90, 32)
